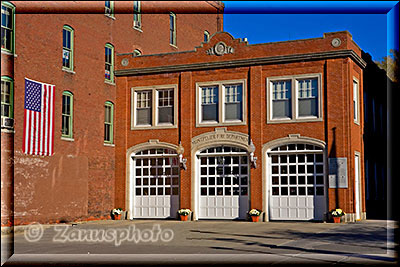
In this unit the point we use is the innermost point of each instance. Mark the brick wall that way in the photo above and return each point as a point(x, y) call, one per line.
point(77, 182)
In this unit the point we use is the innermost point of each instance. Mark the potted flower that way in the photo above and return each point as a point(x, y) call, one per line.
point(184, 213)
point(337, 214)
point(255, 214)
point(116, 213)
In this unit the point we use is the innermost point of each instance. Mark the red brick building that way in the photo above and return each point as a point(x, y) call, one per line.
point(229, 126)
point(72, 45)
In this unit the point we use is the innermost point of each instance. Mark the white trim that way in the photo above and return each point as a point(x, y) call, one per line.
point(69, 71)
point(357, 99)
point(357, 186)
point(154, 107)
point(294, 98)
point(221, 103)
point(129, 167)
point(290, 139)
point(67, 139)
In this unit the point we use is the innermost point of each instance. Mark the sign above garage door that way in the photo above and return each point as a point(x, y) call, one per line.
point(222, 136)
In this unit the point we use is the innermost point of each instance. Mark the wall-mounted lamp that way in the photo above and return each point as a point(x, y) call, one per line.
point(182, 161)
point(253, 160)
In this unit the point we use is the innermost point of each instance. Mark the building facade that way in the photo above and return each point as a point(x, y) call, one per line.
point(229, 126)
point(72, 45)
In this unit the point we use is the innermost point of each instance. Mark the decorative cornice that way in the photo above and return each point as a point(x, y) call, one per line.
point(245, 62)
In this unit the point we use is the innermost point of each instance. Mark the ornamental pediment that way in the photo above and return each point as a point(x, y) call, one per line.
point(220, 49)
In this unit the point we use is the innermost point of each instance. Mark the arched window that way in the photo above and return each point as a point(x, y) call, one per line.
point(67, 114)
point(206, 36)
point(68, 48)
point(108, 122)
point(109, 63)
point(137, 52)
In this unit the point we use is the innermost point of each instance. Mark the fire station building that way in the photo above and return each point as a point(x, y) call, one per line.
point(229, 126)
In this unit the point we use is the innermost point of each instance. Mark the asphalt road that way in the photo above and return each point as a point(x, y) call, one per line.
point(202, 242)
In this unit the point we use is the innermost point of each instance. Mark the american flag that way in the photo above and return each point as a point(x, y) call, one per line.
point(39, 118)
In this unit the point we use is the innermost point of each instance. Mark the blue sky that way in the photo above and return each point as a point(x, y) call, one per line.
point(369, 30)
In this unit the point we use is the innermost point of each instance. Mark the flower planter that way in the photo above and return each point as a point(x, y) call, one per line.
point(184, 217)
point(336, 219)
point(255, 218)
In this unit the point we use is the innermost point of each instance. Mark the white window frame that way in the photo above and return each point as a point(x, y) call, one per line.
point(172, 42)
point(137, 17)
point(294, 98)
point(221, 103)
point(109, 12)
point(356, 101)
point(154, 107)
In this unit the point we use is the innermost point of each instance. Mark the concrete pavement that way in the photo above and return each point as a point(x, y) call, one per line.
point(233, 242)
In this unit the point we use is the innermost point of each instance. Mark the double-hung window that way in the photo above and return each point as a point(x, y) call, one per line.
point(165, 106)
point(137, 18)
point(172, 29)
point(7, 102)
point(67, 114)
point(281, 99)
point(108, 122)
point(154, 107)
point(355, 101)
point(294, 98)
point(307, 97)
point(209, 103)
point(221, 102)
point(144, 108)
point(68, 48)
point(7, 27)
point(233, 102)
point(109, 63)
point(109, 8)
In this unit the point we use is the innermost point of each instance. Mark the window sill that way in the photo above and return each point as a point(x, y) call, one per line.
point(109, 16)
point(216, 124)
point(138, 29)
point(174, 46)
point(67, 139)
point(298, 120)
point(7, 130)
point(8, 53)
point(109, 144)
point(158, 127)
point(69, 71)
point(110, 83)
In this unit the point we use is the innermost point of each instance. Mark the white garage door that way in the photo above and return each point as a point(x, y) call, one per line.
point(224, 183)
point(155, 184)
point(297, 186)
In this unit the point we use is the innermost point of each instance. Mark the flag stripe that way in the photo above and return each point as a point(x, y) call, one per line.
point(46, 134)
point(41, 125)
point(51, 121)
point(39, 117)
